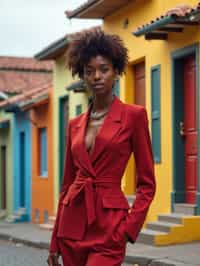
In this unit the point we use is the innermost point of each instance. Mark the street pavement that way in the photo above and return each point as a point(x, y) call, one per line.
point(16, 254)
point(28, 246)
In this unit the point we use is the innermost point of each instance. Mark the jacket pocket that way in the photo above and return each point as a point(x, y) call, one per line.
point(115, 202)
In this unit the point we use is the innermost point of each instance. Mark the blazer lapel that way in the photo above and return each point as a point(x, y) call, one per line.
point(109, 129)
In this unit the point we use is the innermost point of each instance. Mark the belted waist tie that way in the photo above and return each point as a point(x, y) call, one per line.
point(88, 183)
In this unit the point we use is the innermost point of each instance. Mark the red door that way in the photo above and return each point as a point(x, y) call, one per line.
point(190, 129)
point(139, 77)
point(3, 176)
point(139, 91)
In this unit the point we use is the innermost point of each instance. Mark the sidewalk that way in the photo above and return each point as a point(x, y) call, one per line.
point(138, 254)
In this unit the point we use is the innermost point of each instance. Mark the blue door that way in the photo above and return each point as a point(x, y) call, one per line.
point(22, 165)
point(22, 169)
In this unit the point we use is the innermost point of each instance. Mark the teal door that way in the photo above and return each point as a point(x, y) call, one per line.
point(22, 169)
point(63, 119)
point(3, 177)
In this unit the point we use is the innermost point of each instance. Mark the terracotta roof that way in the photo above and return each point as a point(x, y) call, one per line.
point(96, 9)
point(25, 64)
point(37, 99)
point(174, 20)
point(27, 96)
point(59, 47)
point(17, 82)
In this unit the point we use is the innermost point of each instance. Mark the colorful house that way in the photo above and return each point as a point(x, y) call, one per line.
point(163, 76)
point(32, 164)
point(18, 76)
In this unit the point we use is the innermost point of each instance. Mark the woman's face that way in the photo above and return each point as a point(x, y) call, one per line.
point(99, 75)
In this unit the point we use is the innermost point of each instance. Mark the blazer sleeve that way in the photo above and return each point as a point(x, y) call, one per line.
point(68, 178)
point(145, 179)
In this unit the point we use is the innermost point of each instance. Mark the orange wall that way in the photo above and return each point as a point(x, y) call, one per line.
point(42, 187)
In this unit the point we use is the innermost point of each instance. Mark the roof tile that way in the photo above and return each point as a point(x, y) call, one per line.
point(28, 95)
point(25, 63)
point(17, 82)
point(177, 11)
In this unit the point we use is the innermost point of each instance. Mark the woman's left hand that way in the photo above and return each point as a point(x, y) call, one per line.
point(126, 238)
point(53, 259)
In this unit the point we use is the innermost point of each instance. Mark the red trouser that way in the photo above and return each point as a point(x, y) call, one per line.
point(75, 255)
point(102, 244)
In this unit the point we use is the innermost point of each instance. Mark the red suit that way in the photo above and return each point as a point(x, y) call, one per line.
point(93, 213)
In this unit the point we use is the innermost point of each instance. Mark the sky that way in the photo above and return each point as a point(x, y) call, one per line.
point(28, 26)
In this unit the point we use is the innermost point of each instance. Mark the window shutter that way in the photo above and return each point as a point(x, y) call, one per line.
point(155, 110)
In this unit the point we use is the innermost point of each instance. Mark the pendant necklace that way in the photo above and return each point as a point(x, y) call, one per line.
point(98, 115)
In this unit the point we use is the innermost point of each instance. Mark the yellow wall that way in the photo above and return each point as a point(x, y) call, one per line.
point(154, 52)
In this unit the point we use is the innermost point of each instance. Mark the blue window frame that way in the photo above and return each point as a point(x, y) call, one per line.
point(155, 109)
point(43, 151)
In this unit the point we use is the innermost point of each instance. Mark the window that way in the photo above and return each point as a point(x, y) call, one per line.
point(46, 216)
point(155, 99)
point(78, 109)
point(116, 88)
point(43, 151)
point(36, 215)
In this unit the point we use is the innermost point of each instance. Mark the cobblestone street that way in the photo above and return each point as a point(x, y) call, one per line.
point(15, 254)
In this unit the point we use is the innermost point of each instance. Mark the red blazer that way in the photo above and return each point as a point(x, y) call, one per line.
point(125, 130)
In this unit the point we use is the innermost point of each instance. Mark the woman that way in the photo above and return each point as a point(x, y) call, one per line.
point(94, 220)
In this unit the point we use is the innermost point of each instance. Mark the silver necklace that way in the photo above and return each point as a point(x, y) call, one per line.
point(98, 115)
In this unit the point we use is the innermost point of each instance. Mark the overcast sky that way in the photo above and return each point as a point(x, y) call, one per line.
point(28, 26)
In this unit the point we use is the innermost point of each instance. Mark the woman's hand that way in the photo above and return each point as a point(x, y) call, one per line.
point(53, 259)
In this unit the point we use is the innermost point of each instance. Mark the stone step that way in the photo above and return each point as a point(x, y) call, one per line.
point(46, 226)
point(11, 218)
point(15, 216)
point(171, 217)
point(188, 209)
point(20, 211)
point(52, 220)
point(161, 226)
point(146, 236)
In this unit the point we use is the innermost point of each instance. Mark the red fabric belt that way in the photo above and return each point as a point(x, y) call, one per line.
point(88, 183)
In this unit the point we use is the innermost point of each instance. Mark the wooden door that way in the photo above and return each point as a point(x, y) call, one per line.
point(190, 129)
point(139, 78)
point(3, 177)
